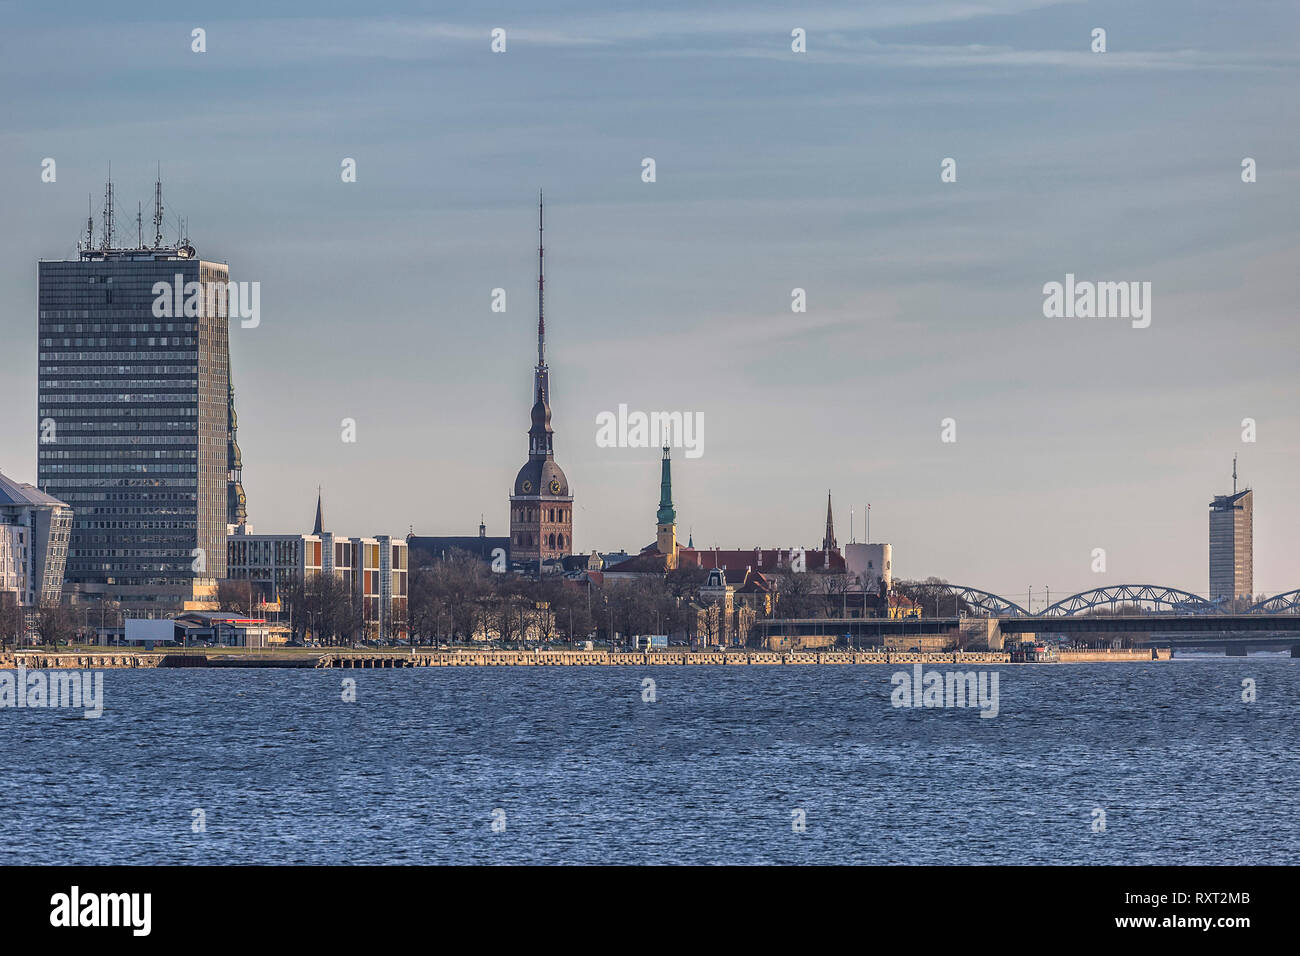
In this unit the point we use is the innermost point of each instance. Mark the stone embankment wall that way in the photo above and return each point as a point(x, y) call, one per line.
point(84, 662)
point(489, 658)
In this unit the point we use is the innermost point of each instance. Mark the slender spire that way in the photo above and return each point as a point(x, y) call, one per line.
point(541, 286)
point(1234, 474)
point(828, 543)
point(540, 434)
point(320, 519)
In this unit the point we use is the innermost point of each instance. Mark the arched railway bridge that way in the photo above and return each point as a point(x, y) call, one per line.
point(1119, 598)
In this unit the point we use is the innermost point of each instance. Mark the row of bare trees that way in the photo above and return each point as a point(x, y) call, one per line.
point(459, 598)
point(52, 624)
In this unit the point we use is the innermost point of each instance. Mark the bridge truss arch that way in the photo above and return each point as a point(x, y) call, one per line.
point(1286, 603)
point(1163, 599)
point(986, 601)
point(1167, 600)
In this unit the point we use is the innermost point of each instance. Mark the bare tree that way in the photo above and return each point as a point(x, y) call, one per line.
point(798, 595)
point(235, 596)
point(12, 620)
point(55, 624)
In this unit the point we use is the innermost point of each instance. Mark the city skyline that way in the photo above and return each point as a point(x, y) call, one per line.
point(675, 295)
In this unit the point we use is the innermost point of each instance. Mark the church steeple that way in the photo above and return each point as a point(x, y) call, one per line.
point(319, 527)
point(540, 435)
point(666, 517)
point(666, 513)
point(541, 503)
point(542, 387)
point(828, 542)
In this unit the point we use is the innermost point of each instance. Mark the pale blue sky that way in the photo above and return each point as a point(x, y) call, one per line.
point(775, 170)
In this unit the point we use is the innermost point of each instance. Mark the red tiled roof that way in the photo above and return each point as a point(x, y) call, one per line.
point(765, 560)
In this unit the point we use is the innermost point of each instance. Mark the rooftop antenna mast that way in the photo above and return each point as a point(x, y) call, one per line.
point(139, 225)
point(157, 209)
point(90, 223)
point(1234, 474)
point(108, 210)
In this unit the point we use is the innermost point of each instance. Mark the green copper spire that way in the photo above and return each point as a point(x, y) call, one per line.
point(666, 513)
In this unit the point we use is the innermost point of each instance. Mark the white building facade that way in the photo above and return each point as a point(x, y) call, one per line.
point(34, 530)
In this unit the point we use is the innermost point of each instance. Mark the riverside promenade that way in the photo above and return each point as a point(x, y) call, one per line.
point(658, 658)
point(471, 657)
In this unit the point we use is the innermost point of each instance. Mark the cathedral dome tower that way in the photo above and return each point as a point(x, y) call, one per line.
point(541, 503)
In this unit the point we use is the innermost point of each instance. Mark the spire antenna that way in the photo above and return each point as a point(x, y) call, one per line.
point(1234, 474)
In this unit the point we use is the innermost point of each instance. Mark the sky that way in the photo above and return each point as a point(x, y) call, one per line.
point(774, 170)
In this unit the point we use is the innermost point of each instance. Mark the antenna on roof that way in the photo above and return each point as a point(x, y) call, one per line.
point(1234, 474)
point(139, 225)
point(157, 209)
point(90, 223)
point(108, 209)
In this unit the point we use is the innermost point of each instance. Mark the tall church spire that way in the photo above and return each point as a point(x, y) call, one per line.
point(542, 389)
point(319, 527)
point(541, 502)
point(666, 515)
point(828, 542)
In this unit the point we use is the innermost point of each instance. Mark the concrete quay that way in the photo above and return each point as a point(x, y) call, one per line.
point(462, 657)
point(40, 661)
point(495, 658)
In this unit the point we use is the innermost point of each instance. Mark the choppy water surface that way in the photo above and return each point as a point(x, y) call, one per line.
point(585, 771)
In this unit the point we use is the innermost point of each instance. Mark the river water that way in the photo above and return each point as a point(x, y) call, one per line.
point(754, 764)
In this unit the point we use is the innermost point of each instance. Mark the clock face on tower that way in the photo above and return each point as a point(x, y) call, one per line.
point(527, 486)
point(555, 486)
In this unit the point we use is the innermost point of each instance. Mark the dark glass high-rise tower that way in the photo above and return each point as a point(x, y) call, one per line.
point(1232, 562)
point(135, 421)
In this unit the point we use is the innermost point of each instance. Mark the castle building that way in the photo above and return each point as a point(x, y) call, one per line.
point(541, 502)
